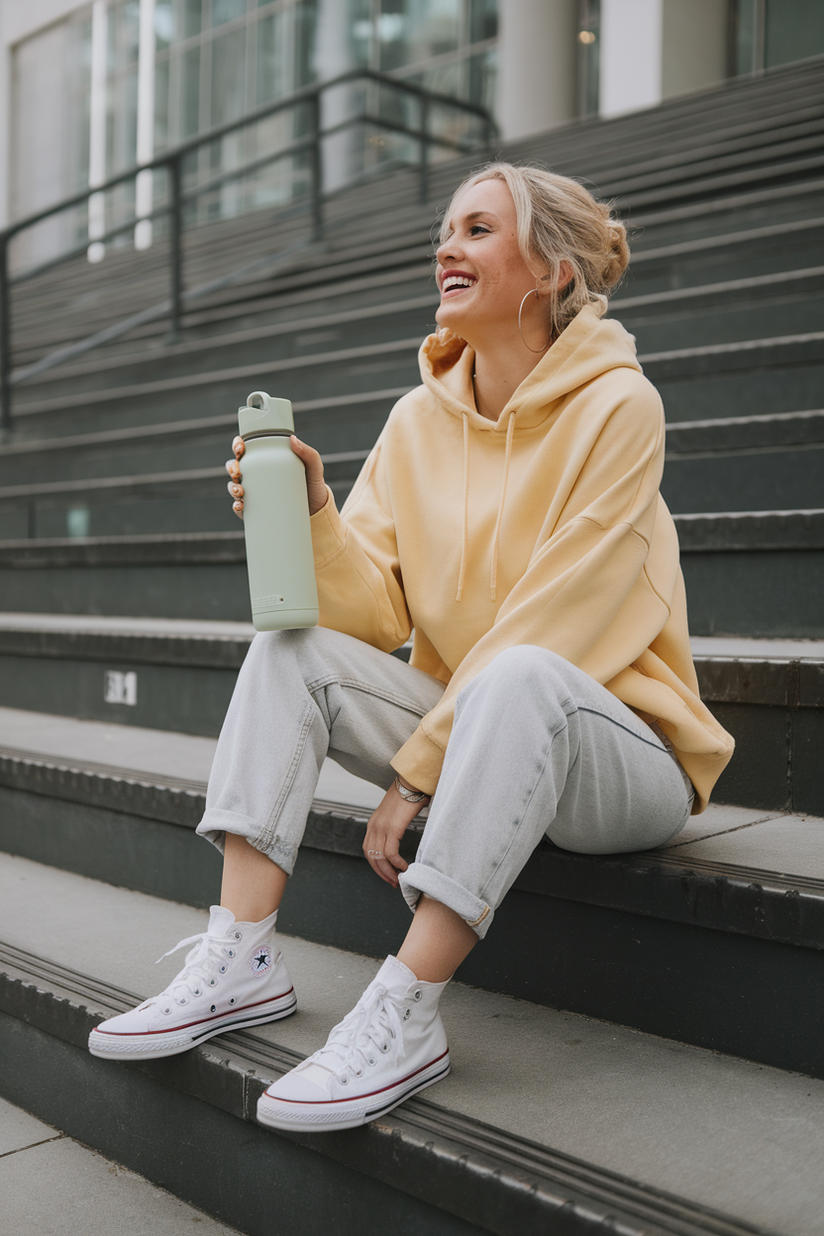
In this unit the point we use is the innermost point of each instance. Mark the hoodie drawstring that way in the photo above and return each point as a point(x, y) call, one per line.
point(493, 577)
point(465, 529)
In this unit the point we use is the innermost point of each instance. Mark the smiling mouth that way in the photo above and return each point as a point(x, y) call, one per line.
point(457, 283)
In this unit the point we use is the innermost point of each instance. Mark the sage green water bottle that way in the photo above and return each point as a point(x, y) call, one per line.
point(276, 518)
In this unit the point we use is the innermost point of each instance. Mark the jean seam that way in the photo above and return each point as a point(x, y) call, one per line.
point(354, 684)
point(268, 836)
point(492, 874)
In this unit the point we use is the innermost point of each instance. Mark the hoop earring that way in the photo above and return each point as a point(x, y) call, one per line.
point(520, 332)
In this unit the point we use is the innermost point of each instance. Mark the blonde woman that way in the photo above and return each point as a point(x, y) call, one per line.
point(510, 516)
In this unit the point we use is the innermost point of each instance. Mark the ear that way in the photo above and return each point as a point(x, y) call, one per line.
point(565, 276)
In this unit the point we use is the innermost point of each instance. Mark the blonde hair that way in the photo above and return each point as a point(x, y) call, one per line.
point(560, 221)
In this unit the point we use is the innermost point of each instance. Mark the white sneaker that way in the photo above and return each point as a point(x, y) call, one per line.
point(390, 1046)
point(233, 977)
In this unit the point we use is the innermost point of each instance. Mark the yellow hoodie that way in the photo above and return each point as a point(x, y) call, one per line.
point(544, 527)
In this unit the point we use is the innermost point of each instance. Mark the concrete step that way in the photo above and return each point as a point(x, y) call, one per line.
point(754, 573)
point(782, 303)
point(52, 1183)
point(496, 1147)
point(178, 676)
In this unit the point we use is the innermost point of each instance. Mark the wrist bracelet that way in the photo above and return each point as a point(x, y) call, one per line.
point(410, 796)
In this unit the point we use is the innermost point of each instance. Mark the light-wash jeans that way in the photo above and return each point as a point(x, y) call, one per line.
point(538, 749)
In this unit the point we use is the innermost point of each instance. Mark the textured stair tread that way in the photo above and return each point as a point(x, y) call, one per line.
point(727, 646)
point(747, 1139)
point(121, 750)
point(51, 1183)
point(774, 844)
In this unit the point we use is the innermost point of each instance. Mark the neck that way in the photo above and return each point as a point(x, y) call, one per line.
point(499, 371)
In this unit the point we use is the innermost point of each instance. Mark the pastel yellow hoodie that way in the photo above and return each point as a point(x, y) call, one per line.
point(544, 527)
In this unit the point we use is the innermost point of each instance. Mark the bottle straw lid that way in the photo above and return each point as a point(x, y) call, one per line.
point(262, 411)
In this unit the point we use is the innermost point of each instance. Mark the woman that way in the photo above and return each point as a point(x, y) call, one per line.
point(510, 514)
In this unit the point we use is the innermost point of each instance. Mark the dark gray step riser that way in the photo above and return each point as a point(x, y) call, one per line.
point(768, 593)
point(122, 515)
point(693, 321)
point(393, 370)
point(744, 383)
point(659, 328)
point(650, 236)
point(776, 765)
point(379, 328)
point(768, 480)
point(334, 430)
point(752, 997)
point(758, 391)
point(762, 481)
point(727, 215)
point(150, 347)
point(86, 1098)
point(757, 257)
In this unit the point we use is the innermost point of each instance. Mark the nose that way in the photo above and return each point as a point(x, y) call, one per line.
point(447, 251)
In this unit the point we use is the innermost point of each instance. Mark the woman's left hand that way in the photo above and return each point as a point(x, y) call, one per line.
point(384, 831)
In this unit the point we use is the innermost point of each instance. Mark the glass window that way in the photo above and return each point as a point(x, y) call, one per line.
point(228, 85)
point(227, 10)
point(794, 30)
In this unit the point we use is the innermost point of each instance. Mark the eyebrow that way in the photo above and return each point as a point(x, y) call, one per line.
point(474, 214)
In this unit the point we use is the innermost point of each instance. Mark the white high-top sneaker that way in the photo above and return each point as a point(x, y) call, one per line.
point(390, 1046)
point(233, 977)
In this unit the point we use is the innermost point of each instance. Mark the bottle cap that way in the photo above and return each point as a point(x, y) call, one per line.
point(262, 412)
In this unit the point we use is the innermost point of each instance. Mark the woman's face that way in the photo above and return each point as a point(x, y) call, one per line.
point(481, 274)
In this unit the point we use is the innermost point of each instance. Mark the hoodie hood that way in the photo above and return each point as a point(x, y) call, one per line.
point(587, 348)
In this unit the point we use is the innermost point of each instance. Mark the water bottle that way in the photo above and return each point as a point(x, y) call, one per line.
point(276, 518)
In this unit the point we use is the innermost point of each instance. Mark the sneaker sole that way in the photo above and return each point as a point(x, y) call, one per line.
point(170, 1043)
point(339, 1114)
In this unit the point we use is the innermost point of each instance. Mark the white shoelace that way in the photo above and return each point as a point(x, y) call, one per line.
point(200, 969)
point(374, 1025)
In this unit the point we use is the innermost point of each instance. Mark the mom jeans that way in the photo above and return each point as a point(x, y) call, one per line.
point(538, 750)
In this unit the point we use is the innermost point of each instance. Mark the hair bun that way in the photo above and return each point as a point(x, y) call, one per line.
point(616, 259)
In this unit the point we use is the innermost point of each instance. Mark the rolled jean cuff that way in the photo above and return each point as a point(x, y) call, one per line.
point(418, 878)
point(216, 823)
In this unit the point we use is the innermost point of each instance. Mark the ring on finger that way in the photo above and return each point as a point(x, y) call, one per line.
point(374, 853)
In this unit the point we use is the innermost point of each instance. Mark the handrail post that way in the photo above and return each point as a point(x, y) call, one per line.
point(175, 246)
point(423, 186)
point(5, 340)
point(316, 156)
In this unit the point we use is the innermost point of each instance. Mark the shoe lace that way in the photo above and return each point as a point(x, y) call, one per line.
point(203, 966)
point(374, 1024)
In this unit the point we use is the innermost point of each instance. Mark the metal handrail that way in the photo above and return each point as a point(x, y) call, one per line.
point(171, 162)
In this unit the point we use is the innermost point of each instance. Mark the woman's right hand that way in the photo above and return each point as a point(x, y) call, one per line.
point(316, 490)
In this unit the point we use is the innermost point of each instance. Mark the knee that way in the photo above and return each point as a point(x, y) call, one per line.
point(525, 672)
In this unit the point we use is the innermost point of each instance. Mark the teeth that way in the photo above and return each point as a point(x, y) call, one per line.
point(457, 281)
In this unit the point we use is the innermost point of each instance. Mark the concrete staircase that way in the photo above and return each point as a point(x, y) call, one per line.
point(639, 1042)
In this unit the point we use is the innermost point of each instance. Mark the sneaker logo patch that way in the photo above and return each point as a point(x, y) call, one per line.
point(260, 960)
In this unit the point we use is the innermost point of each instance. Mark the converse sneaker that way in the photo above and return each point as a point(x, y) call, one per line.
point(233, 977)
point(390, 1046)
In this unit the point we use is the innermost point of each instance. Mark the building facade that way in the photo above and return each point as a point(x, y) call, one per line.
point(93, 88)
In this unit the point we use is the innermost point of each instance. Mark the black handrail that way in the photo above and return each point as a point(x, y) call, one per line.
point(171, 162)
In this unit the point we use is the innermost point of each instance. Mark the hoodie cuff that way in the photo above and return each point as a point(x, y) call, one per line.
point(420, 761)
point(328, 532)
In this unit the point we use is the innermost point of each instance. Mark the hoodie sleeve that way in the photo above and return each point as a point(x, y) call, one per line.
point(585, 594)
point(360, 591)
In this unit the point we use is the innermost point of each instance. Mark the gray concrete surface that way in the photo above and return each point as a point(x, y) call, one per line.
point(50, 1185)
point(151, 751)
point(741, 1137)
point(707, 646)
point(188, 757)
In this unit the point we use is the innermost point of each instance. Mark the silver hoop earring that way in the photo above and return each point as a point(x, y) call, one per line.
point(520, 332)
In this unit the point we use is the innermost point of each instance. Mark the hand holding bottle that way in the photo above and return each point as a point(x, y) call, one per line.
point(316, 490)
